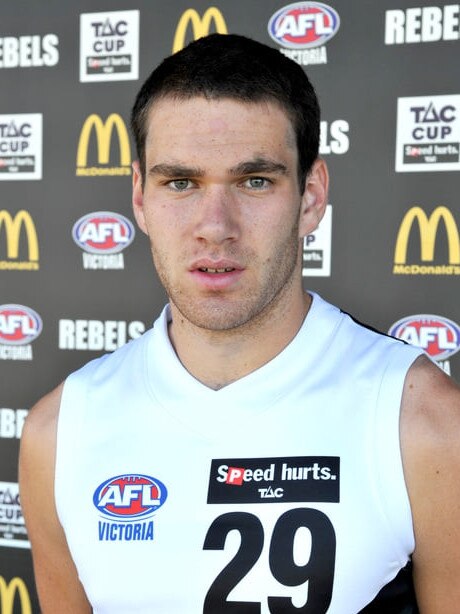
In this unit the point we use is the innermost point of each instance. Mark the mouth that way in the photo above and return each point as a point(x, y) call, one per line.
point(223, 275)
point(214, 271)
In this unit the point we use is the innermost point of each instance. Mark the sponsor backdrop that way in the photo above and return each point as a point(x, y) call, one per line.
point(76, 278)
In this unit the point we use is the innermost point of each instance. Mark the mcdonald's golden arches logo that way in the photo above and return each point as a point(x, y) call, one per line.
point(429, 233)
point(200, 25)
point(8, 593)
point(104, 134)
point(10, 228)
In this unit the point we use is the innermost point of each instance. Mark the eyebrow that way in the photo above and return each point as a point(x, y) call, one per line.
point(248, 167)
point(259, 165)
point(175, 170)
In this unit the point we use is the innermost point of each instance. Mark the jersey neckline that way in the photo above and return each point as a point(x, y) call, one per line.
point(170, 383)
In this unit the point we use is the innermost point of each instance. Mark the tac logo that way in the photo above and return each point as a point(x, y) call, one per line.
point(104, 132)
point(428, 134)
point(10, 230)
point(129, 497)
point(317, 248)
point(438, 336)
point(103, 235)
point(428, 231)
point(302, 29)
point(109, 46)
point(29, 51)
point(285, 479)
point(201, 26)
point(11, 592)
point(13, 532)
point(421, 24)
point(21, 147)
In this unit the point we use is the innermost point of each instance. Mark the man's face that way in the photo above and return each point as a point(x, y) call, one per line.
point(222, 207)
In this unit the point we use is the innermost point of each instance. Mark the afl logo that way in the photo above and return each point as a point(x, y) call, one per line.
point(304, 25)
point(129, 497)
point(19, 325)
point(103, 232)
point(438, 336)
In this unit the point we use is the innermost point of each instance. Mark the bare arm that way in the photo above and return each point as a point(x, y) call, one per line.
point(59, 589)
point(430, 437)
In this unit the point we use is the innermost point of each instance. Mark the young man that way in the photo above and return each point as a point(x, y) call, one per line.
point(257, 451)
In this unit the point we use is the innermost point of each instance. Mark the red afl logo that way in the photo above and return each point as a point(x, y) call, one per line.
point(128, 497)
point(304, 25)
point(19, 325)
point(103, 232)
point(438, 336)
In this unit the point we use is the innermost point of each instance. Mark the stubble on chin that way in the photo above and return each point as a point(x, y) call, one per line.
point(221, 312)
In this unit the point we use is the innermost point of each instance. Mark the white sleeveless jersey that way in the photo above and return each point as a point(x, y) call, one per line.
point(280, 493)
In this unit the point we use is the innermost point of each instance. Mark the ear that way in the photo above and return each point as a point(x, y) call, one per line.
point(314, 198)
point(138, 197)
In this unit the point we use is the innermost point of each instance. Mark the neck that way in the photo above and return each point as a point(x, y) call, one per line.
point(218, 358)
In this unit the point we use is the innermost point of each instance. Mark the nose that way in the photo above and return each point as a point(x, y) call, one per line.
point(216, 217)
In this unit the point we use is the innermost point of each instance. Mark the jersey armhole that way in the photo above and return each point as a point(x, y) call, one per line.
point(391, 484)
point(70, 419)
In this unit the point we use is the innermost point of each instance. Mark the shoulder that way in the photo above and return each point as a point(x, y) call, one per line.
point(430, 435)
point(38, 449)
point(430, 413)
point(119, 359)
point(41, 423)
point(55, 574)
point(375, 350)
point(37, 461)
point(430, 420)
point(430, 427)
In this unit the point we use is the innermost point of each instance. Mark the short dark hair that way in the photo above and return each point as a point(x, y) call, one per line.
point(239, 68)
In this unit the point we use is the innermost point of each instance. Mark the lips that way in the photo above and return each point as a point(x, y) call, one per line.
point(216, 275)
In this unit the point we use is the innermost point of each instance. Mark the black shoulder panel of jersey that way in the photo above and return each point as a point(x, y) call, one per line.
point(397, 597)
point(371, 328)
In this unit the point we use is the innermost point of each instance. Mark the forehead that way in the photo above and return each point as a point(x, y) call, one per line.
point(216, 124)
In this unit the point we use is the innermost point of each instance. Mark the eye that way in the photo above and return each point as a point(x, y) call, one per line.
point(179, 185)
point(257, 183)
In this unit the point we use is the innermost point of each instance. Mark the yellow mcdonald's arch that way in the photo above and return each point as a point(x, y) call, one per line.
point(428, 228)
point(8, 593)
point(104, 132)
point(200, 25)
point(13, 231)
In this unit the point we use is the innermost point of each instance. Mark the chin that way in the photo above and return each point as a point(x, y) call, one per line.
point(220, 318)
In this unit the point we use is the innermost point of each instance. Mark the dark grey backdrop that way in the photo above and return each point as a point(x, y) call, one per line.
point(360, 85)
